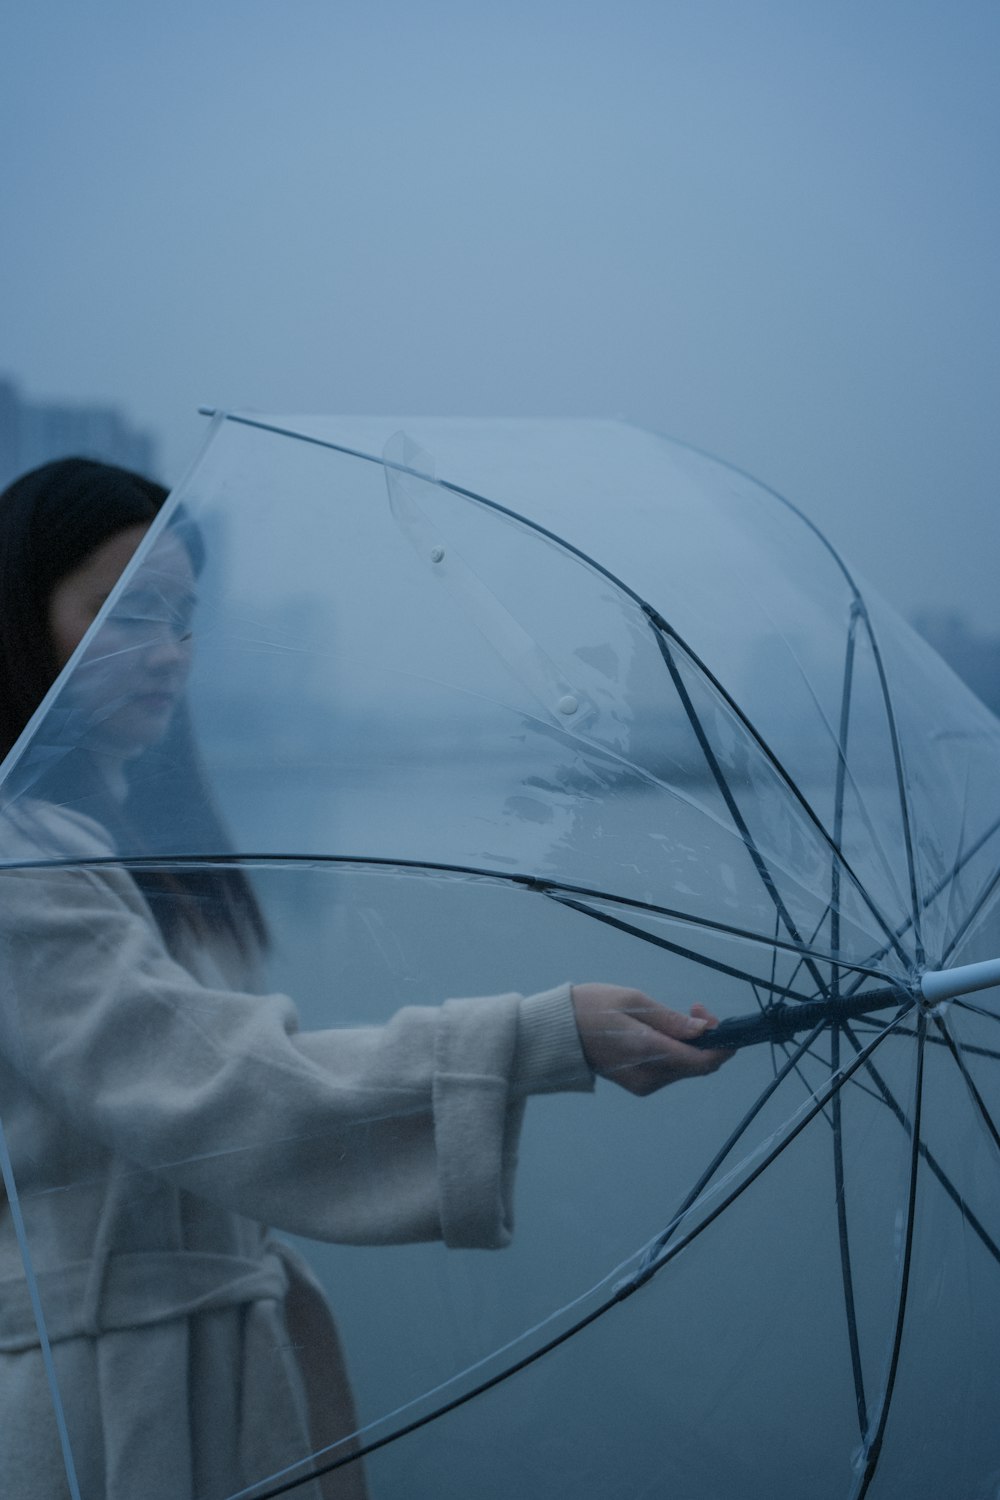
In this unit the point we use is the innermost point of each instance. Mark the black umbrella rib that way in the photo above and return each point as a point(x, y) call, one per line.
point(890, 712)
point(970, 1082)
point(543, 885)
point(904, 804)
point(840, 779)
point(826, 956)
point(678, 948)
point(620, 1293)
point(791, 1064)
point(660, 627)
point(719, 777)
point(803, 952)
point(873, 1445)
point(846, 1271)
point(981, 900)
point(962, 828)
point(820, 1101)
point(799, 1070)
point(776, 1023)
point(962, 861)
point(969, 1047)
point(841, 772)
point(840, 1187)
point(860, 605)
point(973, 914)
point(659, 623)
point(942, 885)
point(666, 633)
point(977, 1010)
point(888, 1099)
point(663, 629)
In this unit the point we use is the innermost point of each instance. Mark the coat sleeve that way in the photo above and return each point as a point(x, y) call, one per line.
point(376, 1134)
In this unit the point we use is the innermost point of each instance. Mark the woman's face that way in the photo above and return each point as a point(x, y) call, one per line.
point(132, 675)
point(77, 598)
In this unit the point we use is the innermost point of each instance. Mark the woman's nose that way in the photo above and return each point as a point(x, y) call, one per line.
point(169, 648)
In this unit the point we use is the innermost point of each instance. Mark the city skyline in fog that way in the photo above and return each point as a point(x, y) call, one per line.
point(770, 233)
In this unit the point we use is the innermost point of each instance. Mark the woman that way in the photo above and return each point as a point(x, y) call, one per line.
point(159, 1113)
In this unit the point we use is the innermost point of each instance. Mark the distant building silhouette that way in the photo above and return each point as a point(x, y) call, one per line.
point(32, 432)
point(975, 658)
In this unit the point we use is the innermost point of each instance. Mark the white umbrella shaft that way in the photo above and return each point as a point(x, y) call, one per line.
point(944, 984)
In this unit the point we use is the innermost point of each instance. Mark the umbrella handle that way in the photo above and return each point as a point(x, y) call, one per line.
point(779, 1023)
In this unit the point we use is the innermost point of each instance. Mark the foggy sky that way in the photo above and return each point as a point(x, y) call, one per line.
point(769, 229)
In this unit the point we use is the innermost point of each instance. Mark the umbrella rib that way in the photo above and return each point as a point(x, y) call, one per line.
point(988, 889)
point(759, 863)
point(790, 1065)
point(820, 1101)
point(543, 885)
point(979, 1010)
point(659, 624)
point(840, 778)
point(661, 629)
point(809, 948)
point(936, 1041)
point(842, 769)
point(774, 975)
point(621, 1292)
point(944, 883)
point(927, 1154)
point(774, 953)
point(661, 942)
point(847, 1274)
point(969, 1080)
point(897, 756)
point(873, 1445)
point(972, 916)
point(802, 953)
point(782, 1044)
point(873, 1093)
point(877, 654)
point(840, 1189)
point(953, 887)
point(960, 863)
point(554, 891)
point(665, 632)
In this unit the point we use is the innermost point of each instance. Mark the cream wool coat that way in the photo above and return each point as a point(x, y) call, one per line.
point(157, 1118)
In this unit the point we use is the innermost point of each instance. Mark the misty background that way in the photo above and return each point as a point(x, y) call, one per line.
point(769, 230)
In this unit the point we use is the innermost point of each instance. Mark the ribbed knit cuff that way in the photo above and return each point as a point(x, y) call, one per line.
point(548, 1057)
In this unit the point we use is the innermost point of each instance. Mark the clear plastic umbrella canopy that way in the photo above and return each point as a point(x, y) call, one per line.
point(566, 702)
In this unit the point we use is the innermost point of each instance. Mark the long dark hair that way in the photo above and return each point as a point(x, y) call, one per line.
point(51, 520)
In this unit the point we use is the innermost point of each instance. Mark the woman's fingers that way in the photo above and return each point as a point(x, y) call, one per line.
point(638, 1043)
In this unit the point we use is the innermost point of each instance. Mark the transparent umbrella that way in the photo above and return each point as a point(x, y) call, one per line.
point(588, 704)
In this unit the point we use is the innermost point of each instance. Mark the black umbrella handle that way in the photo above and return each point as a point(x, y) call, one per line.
point(779, 1023)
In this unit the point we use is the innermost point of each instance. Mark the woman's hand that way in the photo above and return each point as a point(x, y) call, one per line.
point(638, 1043)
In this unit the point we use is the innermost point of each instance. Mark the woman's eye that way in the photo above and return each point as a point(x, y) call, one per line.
point(151, 627)
point(155, 615)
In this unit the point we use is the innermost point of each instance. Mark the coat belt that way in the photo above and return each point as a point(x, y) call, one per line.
point(137, 1289)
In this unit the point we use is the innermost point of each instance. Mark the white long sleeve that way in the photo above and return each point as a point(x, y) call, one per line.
point(365, 1135)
